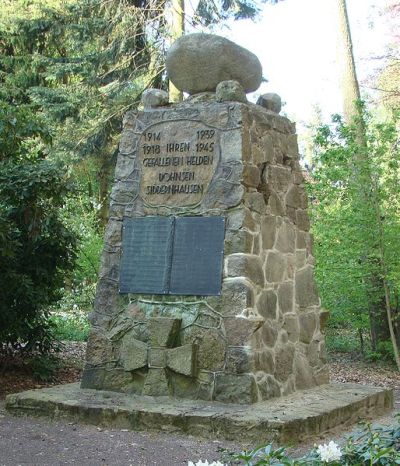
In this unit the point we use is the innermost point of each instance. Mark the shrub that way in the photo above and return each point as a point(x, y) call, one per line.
point(36, 250)
point(379, 446)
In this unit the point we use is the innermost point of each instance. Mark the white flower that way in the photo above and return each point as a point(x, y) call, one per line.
point(205, 463)
point(330, 452)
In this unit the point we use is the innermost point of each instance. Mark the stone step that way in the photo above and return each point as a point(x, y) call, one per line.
point(288, 419)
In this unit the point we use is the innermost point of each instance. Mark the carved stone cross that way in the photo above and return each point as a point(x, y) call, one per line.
point(159, 355)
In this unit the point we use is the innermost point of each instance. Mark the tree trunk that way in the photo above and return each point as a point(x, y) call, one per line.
point(177, 30)
point(349, 81)
point(379, 325)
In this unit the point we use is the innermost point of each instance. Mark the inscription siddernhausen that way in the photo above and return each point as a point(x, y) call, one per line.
point(177, 160)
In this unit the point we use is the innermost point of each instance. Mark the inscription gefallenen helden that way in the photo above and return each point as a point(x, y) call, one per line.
point(177, 161)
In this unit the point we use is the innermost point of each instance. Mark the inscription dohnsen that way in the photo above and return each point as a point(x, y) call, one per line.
point(177, 161)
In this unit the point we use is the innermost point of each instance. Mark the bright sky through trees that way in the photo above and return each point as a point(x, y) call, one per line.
point(296, 43)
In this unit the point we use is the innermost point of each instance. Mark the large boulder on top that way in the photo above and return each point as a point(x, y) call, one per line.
point(199, 62)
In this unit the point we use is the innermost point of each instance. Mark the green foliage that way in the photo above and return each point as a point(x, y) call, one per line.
point(341, 340)
point(374, 446)
point(70, 314)
point(261, 456)
point(356, 218)
point(44, 367)
point(35, 252)
point(71, 326)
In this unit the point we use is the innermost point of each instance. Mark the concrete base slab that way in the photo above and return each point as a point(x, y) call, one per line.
point(287, 419)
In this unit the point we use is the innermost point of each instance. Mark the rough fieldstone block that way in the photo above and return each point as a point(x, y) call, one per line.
point(268, 386)
point(199, 62)
point(240, 218)
point(313, 353)
point(205, 381)
point(322, 352)
point(182, 359)
point(109, 266)
point(268, 231)
point(255, 202)
point(296, 197)
point(291, 325)
point(322, 375)
point(163, 331)
point(283, 337)
point(237, 295)
point(285, 297)
point(303, 372)
point(251, 175)
point(99, 349)
point(127, 141)
point(133, 353)
point(264, 360)
point(156, 383)
point(257, 155)
point(257, 248)
point(276, 204)
point(268, 148)
point(210, 347)
point(232, 143)
point(308, 324)
point(270, 333)
point(278, 178)
point(286, 239)
point(293, 148)
point(117, 380)
point(300, 259)
point(246, 265)
point(302, 220)
point(238, 360)
point(266, 304)
point(270, 101)
point(238, 242)
point(301, 240)
point(291, 214)
point(306, 288)
point(240, 389)
point(157, 357)
point(239, 330)
point(284, 356)
point(275, 267)
point(152, 98)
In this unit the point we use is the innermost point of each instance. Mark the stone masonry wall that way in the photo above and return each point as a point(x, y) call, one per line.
point(262, 337)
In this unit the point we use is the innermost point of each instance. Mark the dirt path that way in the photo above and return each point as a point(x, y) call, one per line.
point(42, 442)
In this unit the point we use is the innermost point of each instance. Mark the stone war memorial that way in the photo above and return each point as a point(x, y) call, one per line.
point(207, 319)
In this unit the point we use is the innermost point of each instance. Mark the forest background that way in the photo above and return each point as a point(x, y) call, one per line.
point(70, 69)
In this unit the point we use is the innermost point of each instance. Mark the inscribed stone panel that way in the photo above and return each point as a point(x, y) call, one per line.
point(177, 160)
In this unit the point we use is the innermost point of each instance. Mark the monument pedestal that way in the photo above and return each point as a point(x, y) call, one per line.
point(289, 419)
point(207, 318)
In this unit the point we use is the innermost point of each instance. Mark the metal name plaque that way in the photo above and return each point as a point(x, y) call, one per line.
point(177, 160)
point(172, 255)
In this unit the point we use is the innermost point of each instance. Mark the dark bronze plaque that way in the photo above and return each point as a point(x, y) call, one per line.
point(172, 255)
point(146, 255)
point(197, 256)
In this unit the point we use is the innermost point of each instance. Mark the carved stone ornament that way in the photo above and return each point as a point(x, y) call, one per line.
point(159, 356)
